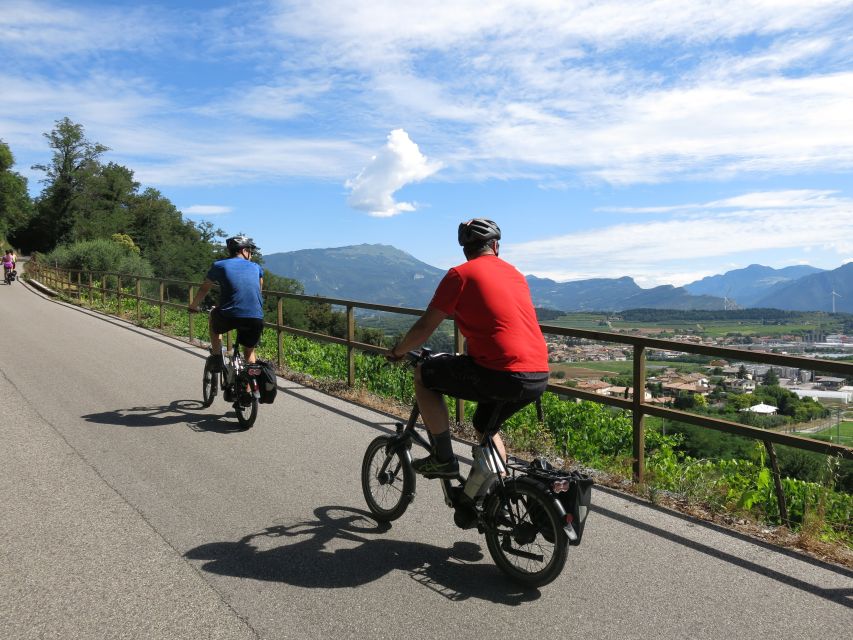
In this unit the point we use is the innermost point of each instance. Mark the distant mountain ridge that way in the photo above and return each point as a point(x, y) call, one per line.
point(366, 272)
point(385, 275)
point(748, 285)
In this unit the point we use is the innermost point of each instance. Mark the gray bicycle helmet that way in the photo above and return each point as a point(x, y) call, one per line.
point(240, 242)
point(478, 231)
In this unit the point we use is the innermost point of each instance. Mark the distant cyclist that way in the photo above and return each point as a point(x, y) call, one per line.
point(507, 358)
point(240, 303)
point(8, 263)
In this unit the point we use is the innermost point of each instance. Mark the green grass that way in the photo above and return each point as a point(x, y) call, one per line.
point(841, 434)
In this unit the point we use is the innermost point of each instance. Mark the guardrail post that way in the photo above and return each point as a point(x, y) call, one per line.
point(458, 343)
point(350, 349)
point(190, 318)
point(638, 415)
point(777, 482)
point(279, 335)
point(162, 298)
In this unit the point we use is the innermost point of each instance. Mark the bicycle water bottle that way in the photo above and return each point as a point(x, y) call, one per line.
point(483, 473)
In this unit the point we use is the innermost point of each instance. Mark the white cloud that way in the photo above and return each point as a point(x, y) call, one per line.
point(52, 30)
point(398, 163)
point(791, 198)
point(206, 210)
point(556, 92)
point(682, 246)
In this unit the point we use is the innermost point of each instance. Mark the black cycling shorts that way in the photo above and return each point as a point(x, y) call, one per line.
point(248, 329)
point(461, 377)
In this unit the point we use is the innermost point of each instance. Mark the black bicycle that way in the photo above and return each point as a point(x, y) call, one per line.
point(10, 276)
point(530, 513)
point(239, 383)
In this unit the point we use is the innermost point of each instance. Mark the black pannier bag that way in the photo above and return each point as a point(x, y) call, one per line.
point(577, 502)
point(267, 384)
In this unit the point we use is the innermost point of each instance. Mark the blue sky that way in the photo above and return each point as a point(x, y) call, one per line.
point(663, 140)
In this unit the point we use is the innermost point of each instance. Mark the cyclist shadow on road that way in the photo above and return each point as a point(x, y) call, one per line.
point(184, 412)
point(323, 556)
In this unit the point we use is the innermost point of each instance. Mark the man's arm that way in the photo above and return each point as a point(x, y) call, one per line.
point(202, 292)
point(419, 333)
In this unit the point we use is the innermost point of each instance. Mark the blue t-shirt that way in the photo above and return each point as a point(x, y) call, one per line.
point(239, 287)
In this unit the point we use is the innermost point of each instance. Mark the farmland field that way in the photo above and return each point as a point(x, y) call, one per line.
point(613, 368)
point(748, 327)
point(842, 434)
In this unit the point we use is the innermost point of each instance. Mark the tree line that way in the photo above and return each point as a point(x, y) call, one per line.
point(94, 215)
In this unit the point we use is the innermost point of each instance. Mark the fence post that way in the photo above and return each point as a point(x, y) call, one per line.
point(350, 349)
point(138, 296)
point(118, 296)
point(279, 335)
point(777, 482)
point(79, 286)
point(162, 294)
point(638, 415)
point(89, 295)
point(458, 342)
point(104, 289)
point(190, 314)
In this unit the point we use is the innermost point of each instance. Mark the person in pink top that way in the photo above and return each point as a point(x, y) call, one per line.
point(8, 263)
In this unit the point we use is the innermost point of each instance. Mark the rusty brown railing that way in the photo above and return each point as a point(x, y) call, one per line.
point(75, 283)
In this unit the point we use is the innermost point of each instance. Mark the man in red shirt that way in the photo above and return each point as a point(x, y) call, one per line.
point(507, 359)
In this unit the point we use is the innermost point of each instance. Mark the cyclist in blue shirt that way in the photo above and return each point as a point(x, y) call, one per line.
point(240, 303)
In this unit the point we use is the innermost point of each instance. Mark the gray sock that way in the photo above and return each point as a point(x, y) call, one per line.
point(443, 446)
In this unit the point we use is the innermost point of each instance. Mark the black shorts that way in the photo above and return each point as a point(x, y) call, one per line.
point(461, 377)
point(248, 329)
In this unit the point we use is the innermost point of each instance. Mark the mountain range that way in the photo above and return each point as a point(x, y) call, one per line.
point(383, 274)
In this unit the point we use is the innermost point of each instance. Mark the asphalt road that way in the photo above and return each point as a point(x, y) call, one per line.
point(128, 511)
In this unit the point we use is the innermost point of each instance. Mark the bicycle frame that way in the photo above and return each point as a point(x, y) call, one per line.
point(481, 482)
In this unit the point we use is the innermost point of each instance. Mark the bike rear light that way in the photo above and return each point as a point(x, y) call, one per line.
point(559, 486)
point(569, 518)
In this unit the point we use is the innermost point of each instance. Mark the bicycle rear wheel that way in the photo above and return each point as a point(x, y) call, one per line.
point(246, 408)
point(533, 550)
point(209, 384)
point(387, 480)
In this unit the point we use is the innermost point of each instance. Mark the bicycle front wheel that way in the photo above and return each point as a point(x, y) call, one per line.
point(525, 536)
point(209, 384)
point(387, 480)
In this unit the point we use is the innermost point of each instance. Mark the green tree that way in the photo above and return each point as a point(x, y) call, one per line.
point(770, 378)
point(176, 248)
point(100, 255)
point(107, 198)
point(15, 204)
point(61, 205)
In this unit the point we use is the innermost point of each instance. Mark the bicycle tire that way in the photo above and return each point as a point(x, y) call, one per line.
point(387, 480)
point(523, 551)
point(246, 413)
point(209, 384)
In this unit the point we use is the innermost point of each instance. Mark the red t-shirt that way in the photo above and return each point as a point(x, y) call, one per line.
point(490, 300)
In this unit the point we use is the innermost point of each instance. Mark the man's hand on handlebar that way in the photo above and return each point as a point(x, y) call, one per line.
point(392, 355)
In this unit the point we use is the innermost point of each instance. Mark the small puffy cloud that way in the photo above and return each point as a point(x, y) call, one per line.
point(206, 210)
point(397, 164)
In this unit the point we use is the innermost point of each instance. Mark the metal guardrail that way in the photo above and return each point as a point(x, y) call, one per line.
point(75, 282)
